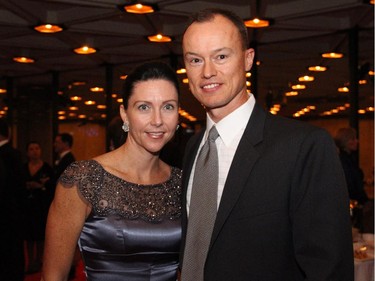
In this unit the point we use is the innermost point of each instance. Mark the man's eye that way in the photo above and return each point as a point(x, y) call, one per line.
point(221, 57)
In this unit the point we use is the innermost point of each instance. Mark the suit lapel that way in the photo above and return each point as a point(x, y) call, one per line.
point(244, 159)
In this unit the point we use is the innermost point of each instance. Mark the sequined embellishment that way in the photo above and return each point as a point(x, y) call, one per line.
point(111, 195)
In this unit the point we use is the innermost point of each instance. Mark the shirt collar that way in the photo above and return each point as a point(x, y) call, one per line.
point(3, 142)
point(232, 124)
point(64, 153)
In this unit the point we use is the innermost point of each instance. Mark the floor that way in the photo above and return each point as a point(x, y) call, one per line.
point(80, 275)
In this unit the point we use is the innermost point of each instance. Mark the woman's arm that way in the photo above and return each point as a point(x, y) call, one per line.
point(66, 218)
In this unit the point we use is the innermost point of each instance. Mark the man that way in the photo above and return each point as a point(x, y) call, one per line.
point(63, 145)
point(347, 142)
point(11, 188)
point(282, 204)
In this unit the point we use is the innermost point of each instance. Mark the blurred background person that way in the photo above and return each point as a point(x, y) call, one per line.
point(12, 185)
point(37, 173)
point(63, 147)
point(347, 144)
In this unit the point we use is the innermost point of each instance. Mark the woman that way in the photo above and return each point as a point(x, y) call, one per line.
point(37, 173)
point(123, 207)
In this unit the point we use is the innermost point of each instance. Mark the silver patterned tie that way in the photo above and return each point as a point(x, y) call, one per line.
point(202, 211)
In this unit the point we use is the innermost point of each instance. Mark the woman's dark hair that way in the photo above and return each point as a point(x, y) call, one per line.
point(148, 71)
point(32, 142)
point(209, 14)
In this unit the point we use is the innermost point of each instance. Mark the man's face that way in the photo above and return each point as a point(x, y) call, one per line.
point(59, 145)
point(216, 65)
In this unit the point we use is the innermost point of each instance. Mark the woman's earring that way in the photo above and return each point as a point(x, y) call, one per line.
point(125, 127)
point(178, 126)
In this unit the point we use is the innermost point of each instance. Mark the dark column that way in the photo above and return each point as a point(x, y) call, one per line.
point(353, 86)
point(353, 70)
point(10, 98)
point(55, 97)
point(108, 101)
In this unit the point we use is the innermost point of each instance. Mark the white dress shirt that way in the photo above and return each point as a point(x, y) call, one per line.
point(230, 129)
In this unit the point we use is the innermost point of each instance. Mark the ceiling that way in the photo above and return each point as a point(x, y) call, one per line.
point(301, 31)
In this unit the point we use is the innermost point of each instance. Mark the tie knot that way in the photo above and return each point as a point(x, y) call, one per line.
point(213, 134)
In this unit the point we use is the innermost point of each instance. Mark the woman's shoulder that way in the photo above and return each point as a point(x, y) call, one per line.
point(80, 170)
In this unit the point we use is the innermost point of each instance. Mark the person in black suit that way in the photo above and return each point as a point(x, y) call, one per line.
point(347, 144)
point(283, 206)
point(63, 145)
point(12, 184)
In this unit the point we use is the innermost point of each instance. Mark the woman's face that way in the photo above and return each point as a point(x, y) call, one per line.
point(34, 151)
point(152, 114)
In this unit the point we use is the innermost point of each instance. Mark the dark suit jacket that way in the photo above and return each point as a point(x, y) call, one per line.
point(284, 212)
point(12, 186)
point(63, 164)
point(58, 170)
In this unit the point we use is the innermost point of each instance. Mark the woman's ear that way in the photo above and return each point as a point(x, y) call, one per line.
point(123, 114)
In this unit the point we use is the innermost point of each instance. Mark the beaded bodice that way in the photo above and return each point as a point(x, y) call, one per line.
point(109, 194)
point(133, 231)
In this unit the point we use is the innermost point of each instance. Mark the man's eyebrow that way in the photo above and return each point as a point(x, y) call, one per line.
point(214, 51)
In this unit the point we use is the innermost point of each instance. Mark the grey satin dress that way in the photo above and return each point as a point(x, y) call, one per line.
point(134, 231)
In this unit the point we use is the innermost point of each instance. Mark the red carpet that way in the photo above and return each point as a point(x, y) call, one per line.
point(80, 275)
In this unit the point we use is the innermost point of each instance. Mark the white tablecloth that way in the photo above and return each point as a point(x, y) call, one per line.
point(364, 270)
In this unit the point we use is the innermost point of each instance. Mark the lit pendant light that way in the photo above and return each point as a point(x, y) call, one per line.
point(343, 89)
point(85, 50)
point(159, 38)
point(306, 78)
point(298, 87)
point(23, 59)
point(257, 23)
point(332, 55)
point(48, 28)
point(317, 68)
point(139, 8)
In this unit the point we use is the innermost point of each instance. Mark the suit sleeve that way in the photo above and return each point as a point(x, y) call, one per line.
point(320, 212)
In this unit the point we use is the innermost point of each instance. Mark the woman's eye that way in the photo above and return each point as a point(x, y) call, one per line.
point(169, 106)
point(143, 107)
